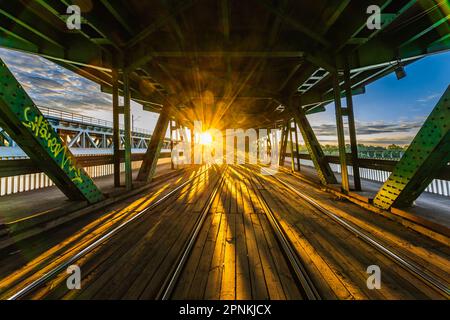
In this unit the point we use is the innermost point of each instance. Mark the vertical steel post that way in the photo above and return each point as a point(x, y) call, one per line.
point(340, 132)
point(127, 134)
point(116, 128)
point(297, 150)
point(192, 145)
point(283, 146)
point(291, 145)
point(352, 128)
point(172, 166)
point(257, 146)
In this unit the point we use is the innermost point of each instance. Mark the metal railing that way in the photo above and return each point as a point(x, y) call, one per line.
point(379, 170)
point(35, 181)
point(20, 174)
point(79, 118)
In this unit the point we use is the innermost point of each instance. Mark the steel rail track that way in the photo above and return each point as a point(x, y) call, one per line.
point(174, 274)
point(405, 263)
point(304, 280)
point(62, 266)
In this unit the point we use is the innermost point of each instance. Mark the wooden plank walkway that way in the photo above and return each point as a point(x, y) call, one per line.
point(237, 255)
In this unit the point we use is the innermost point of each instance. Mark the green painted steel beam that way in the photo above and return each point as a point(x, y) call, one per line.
point(324, 171)
point(120, 13)
point(28, 20)
point(340, 133)
point(425, 158)
point(27, 126)
point(148, 166)
point(426, 30)
point(316, 109)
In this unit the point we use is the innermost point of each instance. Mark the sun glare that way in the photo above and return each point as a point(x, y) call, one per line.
point(206, 138)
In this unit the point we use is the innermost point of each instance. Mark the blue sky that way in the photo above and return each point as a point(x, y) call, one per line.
point(391, 110)
point(397, 107)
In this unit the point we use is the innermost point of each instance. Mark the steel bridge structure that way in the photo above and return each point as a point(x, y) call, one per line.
point(259, 64)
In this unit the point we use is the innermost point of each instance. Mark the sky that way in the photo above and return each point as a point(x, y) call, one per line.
point(390, 112)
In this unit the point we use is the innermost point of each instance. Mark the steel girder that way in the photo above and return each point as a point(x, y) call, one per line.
point(323, 168)
point(148, 166)
point(295, 159)
point(283, 144)
point(427, 155)
point(35, 135)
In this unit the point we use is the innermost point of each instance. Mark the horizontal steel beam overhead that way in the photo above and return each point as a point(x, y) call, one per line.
point(120, 12)
point(426, 156)
point(181, 6)
point(377, 53)
point(313, 97)
point(23, 29)
point(33, 133)
point(295, 23)
point(221, 54)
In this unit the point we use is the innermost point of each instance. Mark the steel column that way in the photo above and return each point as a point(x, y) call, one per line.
point(116, 128)
point(340, 132)
point(297, 146)
point(291, 145)
point(283, 146)
point(193, 146)
point(127, 133)
point(172, 127)
point(426, 156)
point(352, 128)
point(323, 169)
point(148, 167)
point(257, 146)
point(24, 123)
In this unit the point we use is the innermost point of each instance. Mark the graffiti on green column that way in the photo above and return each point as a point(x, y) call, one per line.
point(42, 129)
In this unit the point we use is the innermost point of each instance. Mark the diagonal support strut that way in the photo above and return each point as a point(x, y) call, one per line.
point(428, 153)
point(154, 148)
point(34, 134)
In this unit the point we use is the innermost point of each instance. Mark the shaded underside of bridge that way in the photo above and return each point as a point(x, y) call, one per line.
point(228, 63)
point(258, 64)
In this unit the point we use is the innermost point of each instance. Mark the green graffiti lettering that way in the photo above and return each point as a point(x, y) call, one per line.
point(41, 128)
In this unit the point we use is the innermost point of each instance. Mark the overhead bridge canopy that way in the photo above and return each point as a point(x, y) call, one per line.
point(238, 60)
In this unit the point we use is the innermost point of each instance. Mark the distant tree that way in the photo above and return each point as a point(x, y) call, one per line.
point(394, 147)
